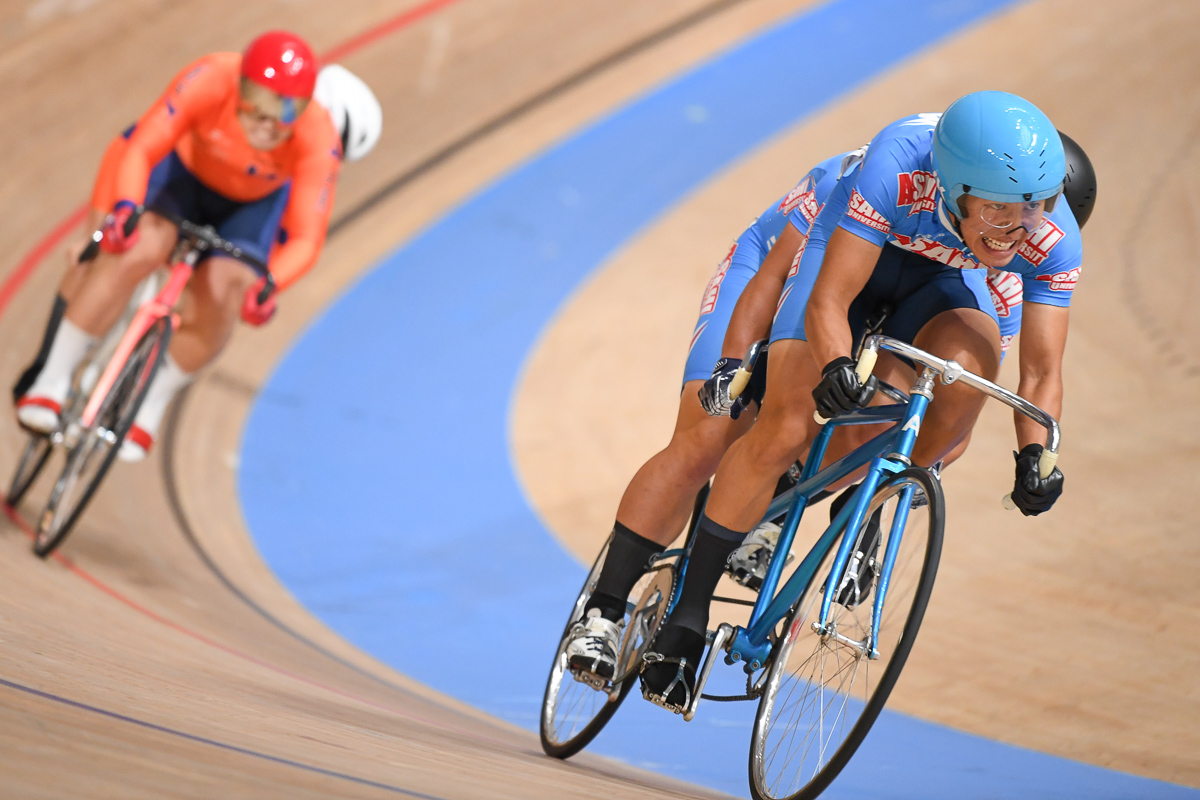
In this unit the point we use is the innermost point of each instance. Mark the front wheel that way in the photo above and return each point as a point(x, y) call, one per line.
point(93, 453)
point(822, 691)
point(33, 457)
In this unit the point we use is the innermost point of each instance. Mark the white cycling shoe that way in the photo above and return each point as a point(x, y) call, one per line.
point(748, 563)
point(136, 446)
point(593, 646)
point(39, 414)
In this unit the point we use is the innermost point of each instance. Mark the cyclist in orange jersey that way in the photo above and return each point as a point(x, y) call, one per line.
point(352, 107)
point(232, 144)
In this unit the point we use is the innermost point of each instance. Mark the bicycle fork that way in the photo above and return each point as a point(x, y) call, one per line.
point(898, 460)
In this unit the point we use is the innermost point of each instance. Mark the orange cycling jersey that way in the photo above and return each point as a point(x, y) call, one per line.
point(197, 118)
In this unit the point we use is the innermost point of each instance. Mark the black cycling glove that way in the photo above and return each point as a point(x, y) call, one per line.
point(1032, 493)
point(840, 390)
point(714, 394)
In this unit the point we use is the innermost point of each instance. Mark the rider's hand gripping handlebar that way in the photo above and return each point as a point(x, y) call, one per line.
point(866, 365)
point(1046, 463)
point(951, 371)
point(93, 247)
point(741, 378)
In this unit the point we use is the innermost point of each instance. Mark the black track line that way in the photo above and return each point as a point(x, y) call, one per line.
point(191, 737)
point(356, 212)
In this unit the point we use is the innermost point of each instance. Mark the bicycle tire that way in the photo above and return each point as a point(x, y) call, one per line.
point(593, 708)
point(781, 715)
point(553, 743)
point(34, 456)
point(113, 421)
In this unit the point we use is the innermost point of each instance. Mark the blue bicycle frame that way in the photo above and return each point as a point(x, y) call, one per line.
point(750, 644)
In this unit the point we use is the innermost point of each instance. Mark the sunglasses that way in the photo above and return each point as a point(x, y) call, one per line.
point(259, 117)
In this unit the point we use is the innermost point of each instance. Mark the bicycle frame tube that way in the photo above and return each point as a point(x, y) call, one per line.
point(889, 562)
point(768, 609)
point(147, 314)
point(906, 438)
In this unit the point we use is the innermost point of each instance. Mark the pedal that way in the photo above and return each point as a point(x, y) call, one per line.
point(660, 700)
point(591, 680)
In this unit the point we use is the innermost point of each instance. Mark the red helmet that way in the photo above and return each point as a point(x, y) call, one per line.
point(282, 62)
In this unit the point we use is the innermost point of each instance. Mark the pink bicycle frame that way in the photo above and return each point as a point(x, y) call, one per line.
point(147, 314)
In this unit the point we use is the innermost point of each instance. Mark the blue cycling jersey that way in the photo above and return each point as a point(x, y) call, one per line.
point(896, 201)
point(799, 208)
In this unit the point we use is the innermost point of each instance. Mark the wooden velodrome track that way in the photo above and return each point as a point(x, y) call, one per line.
point(162, 659)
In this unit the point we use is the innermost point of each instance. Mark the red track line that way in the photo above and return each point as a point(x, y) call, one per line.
point(33, 259)
point(401, 20)
point(80, 572)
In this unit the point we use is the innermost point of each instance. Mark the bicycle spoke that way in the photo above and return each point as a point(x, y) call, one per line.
point(822, 685)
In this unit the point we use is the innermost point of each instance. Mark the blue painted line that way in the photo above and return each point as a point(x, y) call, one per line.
point(376, 473)
point(287, 762)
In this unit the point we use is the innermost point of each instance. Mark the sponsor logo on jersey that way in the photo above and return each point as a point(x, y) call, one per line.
point(713, 290)
point(187, 78)
point(782, 299)
point(799, 255)
point(918, 190)
point(935, 251)
point(1061, 281)
point(1006, 342)
point(1006, 289)
point(803, 197)
point(862, 211)
point(1036, 248)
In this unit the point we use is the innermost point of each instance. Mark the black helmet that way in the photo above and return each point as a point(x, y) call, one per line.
point(1080, 188)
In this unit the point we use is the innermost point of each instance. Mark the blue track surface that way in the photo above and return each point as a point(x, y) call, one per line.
point(393, 514)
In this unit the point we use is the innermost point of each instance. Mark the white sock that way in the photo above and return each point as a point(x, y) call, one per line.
point(169, 379)
point(71, 344)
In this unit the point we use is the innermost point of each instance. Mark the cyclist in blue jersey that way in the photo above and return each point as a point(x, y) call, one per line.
point(658, 500)
point(938, 199)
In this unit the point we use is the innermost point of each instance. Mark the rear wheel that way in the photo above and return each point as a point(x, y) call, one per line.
point(574, 710)
point(92, 454)
point(822, 692)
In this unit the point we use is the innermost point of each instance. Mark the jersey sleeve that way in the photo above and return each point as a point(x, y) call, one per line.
point(198, 89)
point(1053, 254)
point(872, 209)
point(309, 208)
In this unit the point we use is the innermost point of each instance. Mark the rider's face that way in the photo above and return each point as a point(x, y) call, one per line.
point(994, 231)
point(267, 119)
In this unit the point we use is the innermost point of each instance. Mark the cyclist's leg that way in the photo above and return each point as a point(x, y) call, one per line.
point(103, 197)
point(211, 304)
point(970, 337)
point(744, 485)
point(657, 502)
point(99, 299)
point(743, 488)
point(659, 499)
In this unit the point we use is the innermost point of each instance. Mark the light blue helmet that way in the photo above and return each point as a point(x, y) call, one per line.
point(1000, 147)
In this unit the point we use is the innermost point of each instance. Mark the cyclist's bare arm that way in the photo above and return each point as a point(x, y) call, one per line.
point(848, 264)
point(1043, 341)
point(751, 320)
